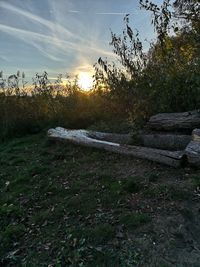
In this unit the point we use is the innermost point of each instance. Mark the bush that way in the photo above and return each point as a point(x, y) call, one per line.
point(25, 110)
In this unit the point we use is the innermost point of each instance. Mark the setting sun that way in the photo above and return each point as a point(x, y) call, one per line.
point(85, 81)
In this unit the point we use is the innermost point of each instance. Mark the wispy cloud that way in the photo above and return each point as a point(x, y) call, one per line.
point(112, 13)
point(74, 11)
point(55, 37)
point(32, 38)
point(101, 13)
point(51, 42)
point(51, 25)
point(4, 58)
point(54, 26)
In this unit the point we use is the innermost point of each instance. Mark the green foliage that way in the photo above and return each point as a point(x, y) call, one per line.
point(25, 110)
point(164, 79)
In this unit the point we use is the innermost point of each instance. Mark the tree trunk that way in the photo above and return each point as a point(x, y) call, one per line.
point(83, 137)
point(186, 121)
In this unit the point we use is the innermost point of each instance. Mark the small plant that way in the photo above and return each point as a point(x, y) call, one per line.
point(133, 220)
point(132, 185)
point(153, 177)
point(196, 180)
point(13, 232)
point(102, 233)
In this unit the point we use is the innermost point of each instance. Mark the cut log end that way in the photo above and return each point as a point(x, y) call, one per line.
point(193, 149)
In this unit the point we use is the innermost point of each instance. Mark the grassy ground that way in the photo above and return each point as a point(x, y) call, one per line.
point(63, 205)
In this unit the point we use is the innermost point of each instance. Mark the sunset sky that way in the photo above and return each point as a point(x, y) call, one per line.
point(62, 36)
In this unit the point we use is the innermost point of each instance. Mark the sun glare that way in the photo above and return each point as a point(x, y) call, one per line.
point(85, 81)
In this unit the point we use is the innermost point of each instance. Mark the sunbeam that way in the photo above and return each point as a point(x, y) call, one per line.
point(59, 35)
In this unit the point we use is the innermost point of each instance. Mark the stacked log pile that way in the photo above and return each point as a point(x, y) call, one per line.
point(169, 138)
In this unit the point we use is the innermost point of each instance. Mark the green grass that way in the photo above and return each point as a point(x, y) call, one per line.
point(56, 208)
point(63, 205)
point(133, 220)
point(196, 180)
point(132, 184)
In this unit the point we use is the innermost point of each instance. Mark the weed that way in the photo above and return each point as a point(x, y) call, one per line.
point(196, 180)
point(12, 232)
point(133, 220)
point(153, 177)
point(101, 234)
point(132, 184)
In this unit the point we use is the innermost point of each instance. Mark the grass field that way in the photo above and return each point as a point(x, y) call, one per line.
point(64, 205)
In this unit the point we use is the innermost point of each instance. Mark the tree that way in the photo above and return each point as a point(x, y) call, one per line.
point(166, 78)
point(173, 15)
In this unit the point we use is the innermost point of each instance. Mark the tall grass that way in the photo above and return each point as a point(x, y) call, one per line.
point(28, 109)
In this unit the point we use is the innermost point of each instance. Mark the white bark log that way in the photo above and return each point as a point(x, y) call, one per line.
point(83, 137)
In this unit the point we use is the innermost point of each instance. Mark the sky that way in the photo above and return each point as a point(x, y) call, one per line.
point(63, 36)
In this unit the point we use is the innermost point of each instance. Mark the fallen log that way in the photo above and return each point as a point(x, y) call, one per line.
point(83, 137)
point(192, 151)
point(111, 137)
point(185, 121)
point(167, 141)
point(164, 141)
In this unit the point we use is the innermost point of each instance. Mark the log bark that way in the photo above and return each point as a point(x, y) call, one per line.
point(192, 151)
point(186, 121)
point(166, 141)
point(111, 137)
point(83, 137)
